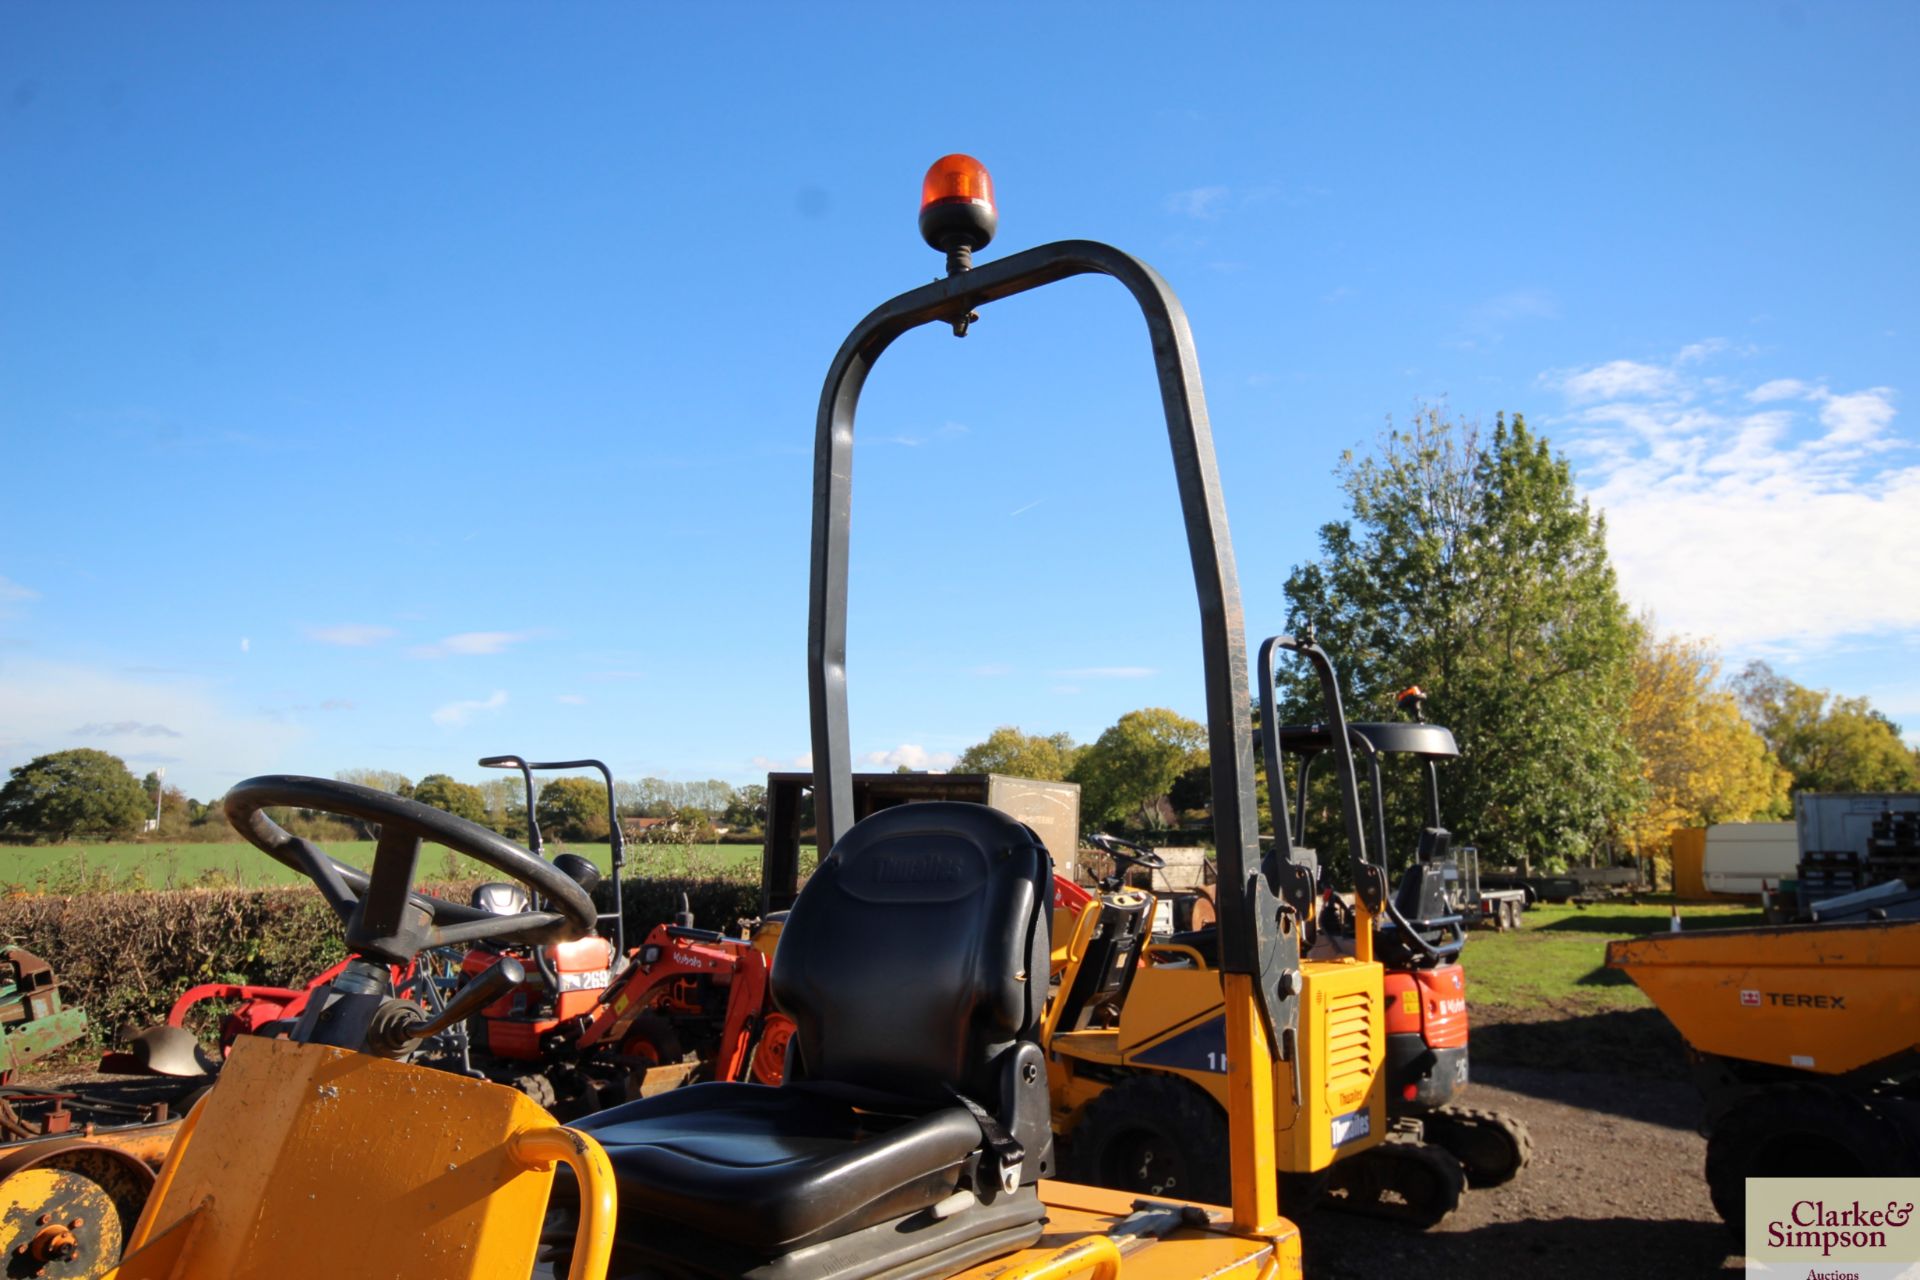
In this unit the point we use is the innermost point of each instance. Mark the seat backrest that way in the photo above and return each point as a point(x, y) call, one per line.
point(916, 956)
point(1109, 962)
point(501, 899)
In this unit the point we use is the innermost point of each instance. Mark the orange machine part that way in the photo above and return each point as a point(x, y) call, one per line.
point(959, 179)
point(1430, 1003)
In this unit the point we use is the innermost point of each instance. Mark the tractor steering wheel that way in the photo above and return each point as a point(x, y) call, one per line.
point(1127, 851)
point(384, 918)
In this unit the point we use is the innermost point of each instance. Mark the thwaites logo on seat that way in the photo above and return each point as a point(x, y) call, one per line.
point(918, 869)
point(1446, 1008)
point(1791, 1000)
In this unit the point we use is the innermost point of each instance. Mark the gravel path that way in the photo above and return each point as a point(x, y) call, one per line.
point(1614, 1189)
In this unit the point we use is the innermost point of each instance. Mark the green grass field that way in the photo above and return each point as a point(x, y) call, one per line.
point(1556, 963)
point(66, 867)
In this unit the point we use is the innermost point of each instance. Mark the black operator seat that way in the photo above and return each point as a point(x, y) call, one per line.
point(913, 1125)
point(501, 899)
point(1422, 898)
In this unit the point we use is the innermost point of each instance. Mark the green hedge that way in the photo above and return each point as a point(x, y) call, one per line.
point(126, 956)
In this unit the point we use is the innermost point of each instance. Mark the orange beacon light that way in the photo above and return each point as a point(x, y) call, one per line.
point(957, 213)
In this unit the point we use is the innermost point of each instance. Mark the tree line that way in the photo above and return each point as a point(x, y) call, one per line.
point(84, 792)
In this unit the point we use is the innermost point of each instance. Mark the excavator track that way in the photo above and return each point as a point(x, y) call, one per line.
point(1491, 1146)
point(1418, 1184)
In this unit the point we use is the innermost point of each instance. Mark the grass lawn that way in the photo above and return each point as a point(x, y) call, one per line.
point(1555, 964)
point(66, 867)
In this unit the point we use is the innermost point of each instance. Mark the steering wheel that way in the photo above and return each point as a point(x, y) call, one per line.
point(384, 918)
point(1127, 851)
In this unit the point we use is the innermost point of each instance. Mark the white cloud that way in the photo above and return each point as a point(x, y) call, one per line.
point(246, 644)
point(1198, 202)
point(1613, 380)
point(799, 763)
point(1697, 352)
point(147, 720)
point(1781, 389)
point(124, 729)
point(912, 756)
point(471, 643)
point(1107, 673)
point(352, 635)
point(455, 714)
point(1775, 528)
point(12, 592)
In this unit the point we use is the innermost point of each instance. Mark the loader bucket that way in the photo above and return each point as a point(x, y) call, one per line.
point(167, 1051)
point(1825, 998)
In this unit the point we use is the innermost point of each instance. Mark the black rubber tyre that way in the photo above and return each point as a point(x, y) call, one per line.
point(1491, 1146)
point(1800, 1132)
point(537, 1087)
point(1155, 1135)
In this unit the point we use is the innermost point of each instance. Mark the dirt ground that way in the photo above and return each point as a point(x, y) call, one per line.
point(1614, 1190)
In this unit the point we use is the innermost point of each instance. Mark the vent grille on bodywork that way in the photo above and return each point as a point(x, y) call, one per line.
point(1349, 1032)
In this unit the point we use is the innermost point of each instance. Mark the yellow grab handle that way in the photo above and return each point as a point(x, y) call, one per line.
point(593, 1239)
point(1177, 949)
point(1098, 1252)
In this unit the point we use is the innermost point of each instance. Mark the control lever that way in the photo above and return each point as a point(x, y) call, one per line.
point(505, 974)
point(401, 1025)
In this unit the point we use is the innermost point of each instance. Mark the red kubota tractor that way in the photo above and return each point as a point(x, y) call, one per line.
point(589, 1023)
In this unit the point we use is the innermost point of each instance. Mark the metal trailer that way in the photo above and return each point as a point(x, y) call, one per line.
point(1499, 906)
point(1052, 809)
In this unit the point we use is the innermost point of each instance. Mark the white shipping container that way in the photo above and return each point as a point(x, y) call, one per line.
point(1740, 855)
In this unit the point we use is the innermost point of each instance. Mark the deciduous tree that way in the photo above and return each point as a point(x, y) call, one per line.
point(1700, 762)
point(82, 792)
point(1827, 742)
point(1134, 764)
point(461, 799)
point(573, 809)
point(379, 779)
point(1009, 751)
point(1473, 568)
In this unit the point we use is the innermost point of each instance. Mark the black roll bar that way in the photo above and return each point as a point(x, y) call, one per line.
point(1249, 935)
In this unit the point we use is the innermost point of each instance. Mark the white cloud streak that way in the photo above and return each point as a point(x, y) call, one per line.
point(912, 756)
point(1780, 518)
point(1204, 203)
point(147, 720)
point(471, 643)
point(455, 714)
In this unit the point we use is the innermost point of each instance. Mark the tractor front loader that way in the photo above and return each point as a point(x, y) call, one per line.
point(910, 1137)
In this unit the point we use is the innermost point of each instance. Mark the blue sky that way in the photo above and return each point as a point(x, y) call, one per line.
point(387, 386)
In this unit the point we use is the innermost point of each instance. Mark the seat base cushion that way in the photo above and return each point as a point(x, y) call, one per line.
point(776, 1169)
point(918, 1246)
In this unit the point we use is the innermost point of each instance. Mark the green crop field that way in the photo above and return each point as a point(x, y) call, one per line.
point(67, 867)
point(1556, 963)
